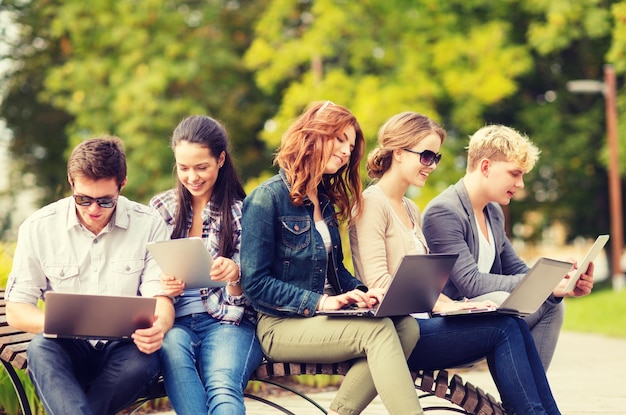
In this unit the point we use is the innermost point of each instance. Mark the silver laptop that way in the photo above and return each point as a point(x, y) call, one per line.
point(186, 259)
point(530, 293)
point(414, 287)
point(90, 316)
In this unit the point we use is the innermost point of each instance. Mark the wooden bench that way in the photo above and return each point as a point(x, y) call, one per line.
point(463, 397)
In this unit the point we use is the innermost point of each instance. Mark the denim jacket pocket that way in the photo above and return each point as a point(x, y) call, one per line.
point(295, 232)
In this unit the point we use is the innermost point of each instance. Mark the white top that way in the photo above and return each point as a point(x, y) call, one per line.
point(54, 251)
point(486, 249)
point(322, 228)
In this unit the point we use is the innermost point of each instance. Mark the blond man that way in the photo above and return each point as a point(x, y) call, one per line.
point(467, 218)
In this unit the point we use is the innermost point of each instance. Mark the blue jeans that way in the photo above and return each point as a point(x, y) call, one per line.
point(206, 364)
point(545, 324)
point(72, 377)
point(510, 350)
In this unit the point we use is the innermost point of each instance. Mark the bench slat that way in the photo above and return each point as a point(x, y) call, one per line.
point(428, 380)
point(457, 390)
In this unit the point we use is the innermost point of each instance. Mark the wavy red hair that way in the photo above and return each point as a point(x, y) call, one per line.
point(303, 155)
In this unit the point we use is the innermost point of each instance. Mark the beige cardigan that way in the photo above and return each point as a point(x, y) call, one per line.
point(379, 240)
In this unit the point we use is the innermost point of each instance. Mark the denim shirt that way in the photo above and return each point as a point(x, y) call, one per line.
point(283, 259)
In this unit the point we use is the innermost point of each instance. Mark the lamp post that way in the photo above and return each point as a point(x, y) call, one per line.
point(609, 90)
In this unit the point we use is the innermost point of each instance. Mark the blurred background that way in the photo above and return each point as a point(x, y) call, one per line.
point(553, 69)
point(71, 69)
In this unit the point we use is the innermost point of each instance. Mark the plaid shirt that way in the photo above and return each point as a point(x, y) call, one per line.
point(217, 301)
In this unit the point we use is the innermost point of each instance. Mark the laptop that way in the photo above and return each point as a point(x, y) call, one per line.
point(414, 288)
point(186, 259)
point(91, 316)
point(582, 267)
point(530, 293)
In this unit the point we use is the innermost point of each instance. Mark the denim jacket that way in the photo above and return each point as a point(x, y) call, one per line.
point(283, 258)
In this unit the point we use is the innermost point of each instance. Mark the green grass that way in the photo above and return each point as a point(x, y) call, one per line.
point(6, 259)
point(603, 312)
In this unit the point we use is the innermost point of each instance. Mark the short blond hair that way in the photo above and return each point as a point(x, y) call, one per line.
point(501, 143)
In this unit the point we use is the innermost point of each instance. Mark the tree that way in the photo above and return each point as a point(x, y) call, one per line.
point(146, 66)
point(38, 139)
point(569, 40)
point(382, 57)
point(257, 64)
point(464, 63)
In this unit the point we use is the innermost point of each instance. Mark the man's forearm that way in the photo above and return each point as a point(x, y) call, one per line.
point(25, 317)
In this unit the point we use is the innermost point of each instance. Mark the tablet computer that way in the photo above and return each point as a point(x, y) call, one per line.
point(582, 267)
point(186, 259)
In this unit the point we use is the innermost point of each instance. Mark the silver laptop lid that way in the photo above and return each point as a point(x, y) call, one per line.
point(87, 316)
point(536, 286)
point(416, 284)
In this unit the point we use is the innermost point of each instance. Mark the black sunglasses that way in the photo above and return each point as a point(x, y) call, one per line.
point(103, 202)
point(427, 157)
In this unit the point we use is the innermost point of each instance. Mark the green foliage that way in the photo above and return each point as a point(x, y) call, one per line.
point(450, 60)
point(256, 64)
point(560, 23)
point(38, 139)
point(6, 261)
point(603, 312)
point(8, 399)
point(379, 58)
point(153, 63)
point(318, 381)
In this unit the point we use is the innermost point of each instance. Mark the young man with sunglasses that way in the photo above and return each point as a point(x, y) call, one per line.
point(467, 219)
point(92, 242)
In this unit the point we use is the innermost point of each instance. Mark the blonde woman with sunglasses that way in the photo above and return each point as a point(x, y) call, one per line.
point(389, 227)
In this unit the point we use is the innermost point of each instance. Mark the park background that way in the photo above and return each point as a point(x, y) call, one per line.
point(72, 69)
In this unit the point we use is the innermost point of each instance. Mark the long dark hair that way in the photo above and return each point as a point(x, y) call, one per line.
point(209, 133)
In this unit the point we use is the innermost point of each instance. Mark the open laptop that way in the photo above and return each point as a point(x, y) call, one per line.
point(186, 259)
point(582, 267)
point(414, 287)
point(90, 316)
point(530, 293)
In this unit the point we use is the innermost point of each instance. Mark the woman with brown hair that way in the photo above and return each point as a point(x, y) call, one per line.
point(292, 266)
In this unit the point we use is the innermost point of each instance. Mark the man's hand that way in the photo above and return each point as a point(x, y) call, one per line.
point(584, 285)
point(149, 340)
point(448, 306)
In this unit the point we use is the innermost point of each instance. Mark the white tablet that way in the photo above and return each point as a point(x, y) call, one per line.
point(582, 266)
point(186, 259)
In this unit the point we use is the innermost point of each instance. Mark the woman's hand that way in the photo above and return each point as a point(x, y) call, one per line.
point(224, 269)
point(171, 286)
point(356, 296)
